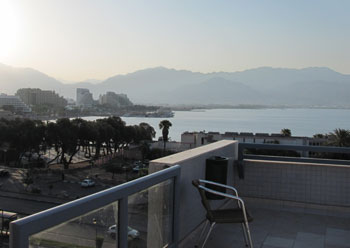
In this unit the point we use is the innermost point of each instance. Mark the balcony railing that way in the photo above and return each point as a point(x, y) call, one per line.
point(25, 232)
point(303, 149)
point(321, 185)
point(305, 180)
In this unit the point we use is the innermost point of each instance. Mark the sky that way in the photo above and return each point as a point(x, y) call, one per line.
point(83, 39)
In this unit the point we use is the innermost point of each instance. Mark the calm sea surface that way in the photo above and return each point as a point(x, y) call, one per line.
point(302, 122)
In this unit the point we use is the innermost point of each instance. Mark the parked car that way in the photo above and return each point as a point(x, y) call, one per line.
point(136, 168)
point(132, 233)
point(138, 165)
point(4, 173)
point(87, 183)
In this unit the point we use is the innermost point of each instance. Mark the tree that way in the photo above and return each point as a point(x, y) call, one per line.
point(320, 136)
point(26, 137)
point(67, 132)
point(28, 179)
point(164, 125)
point(105, 134)
point(286, 132)
point(145, 149)
point(339, 137)
point(118, 126)
point(145, 132)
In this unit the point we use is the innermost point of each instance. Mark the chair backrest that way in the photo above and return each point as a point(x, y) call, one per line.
point(204, 198)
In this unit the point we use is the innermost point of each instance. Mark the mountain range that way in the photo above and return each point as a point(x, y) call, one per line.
point(314, 86)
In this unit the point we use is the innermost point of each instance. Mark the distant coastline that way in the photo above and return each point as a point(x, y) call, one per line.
point(191, 108)
point(249, 106)
point(301, 121)
point(167, 114)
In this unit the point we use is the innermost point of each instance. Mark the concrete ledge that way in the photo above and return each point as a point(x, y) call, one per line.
point(193, 166)
point(178, 158)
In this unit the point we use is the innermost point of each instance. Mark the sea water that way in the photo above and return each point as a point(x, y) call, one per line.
point(302, 122)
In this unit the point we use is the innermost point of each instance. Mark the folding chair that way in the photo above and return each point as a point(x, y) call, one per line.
point(237, 214)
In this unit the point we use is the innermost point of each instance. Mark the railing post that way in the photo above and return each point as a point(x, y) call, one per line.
point(176, 209)
point(240, 166)
point(122, 223)
point(17, 238)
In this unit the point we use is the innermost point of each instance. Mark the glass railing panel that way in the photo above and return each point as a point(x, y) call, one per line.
point(149, 216)
point(94, 229)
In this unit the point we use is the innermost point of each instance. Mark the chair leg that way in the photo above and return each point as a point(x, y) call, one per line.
point(245, 234)
point(206, 238)
point(202, 232)
point(249, 236)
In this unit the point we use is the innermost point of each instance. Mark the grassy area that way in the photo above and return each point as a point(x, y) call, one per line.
point(52, 243)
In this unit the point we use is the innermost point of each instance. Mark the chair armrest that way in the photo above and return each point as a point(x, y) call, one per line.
point(220, 185)
point(233, 197)
point(240, 200)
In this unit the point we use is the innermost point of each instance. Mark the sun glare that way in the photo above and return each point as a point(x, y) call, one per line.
point(8, 28)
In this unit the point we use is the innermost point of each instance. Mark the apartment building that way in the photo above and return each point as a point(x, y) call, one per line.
point(37, 96)
point(196, 139)
point(84, 98)
point(16, 102)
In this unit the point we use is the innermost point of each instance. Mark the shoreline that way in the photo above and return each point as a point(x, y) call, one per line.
point(189, 109)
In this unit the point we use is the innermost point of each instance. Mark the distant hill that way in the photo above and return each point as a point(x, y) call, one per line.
point(146, 85)
point(215, 90)
point(12, 78)
point(268, 86)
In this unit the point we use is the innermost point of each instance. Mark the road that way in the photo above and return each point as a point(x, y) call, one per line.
point(79, 231)
point(24, 206)
point(82, 231)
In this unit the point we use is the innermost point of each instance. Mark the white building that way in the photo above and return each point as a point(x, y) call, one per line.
point(84, 98)
point(196, 139)
point(16, 102)
point(114, 100)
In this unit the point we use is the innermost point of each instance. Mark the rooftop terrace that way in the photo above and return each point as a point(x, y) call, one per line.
point(294, 204)
point(285, 224)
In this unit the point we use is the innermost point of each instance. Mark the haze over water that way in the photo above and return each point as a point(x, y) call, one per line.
point(302, 122)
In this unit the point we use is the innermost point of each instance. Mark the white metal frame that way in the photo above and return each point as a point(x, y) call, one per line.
point(245, 226)
point(22, 229)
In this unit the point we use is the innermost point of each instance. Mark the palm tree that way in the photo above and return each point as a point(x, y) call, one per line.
point(339, 137)
point(286, 132)
point(164, 125)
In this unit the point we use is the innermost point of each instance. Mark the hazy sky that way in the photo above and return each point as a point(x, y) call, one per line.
point(80, 39)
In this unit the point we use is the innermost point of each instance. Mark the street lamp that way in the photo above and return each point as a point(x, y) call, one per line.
point(94, 221)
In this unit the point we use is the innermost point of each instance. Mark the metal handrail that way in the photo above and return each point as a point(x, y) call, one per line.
point(332, 149)
point(219, 184)
point(21, 229)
